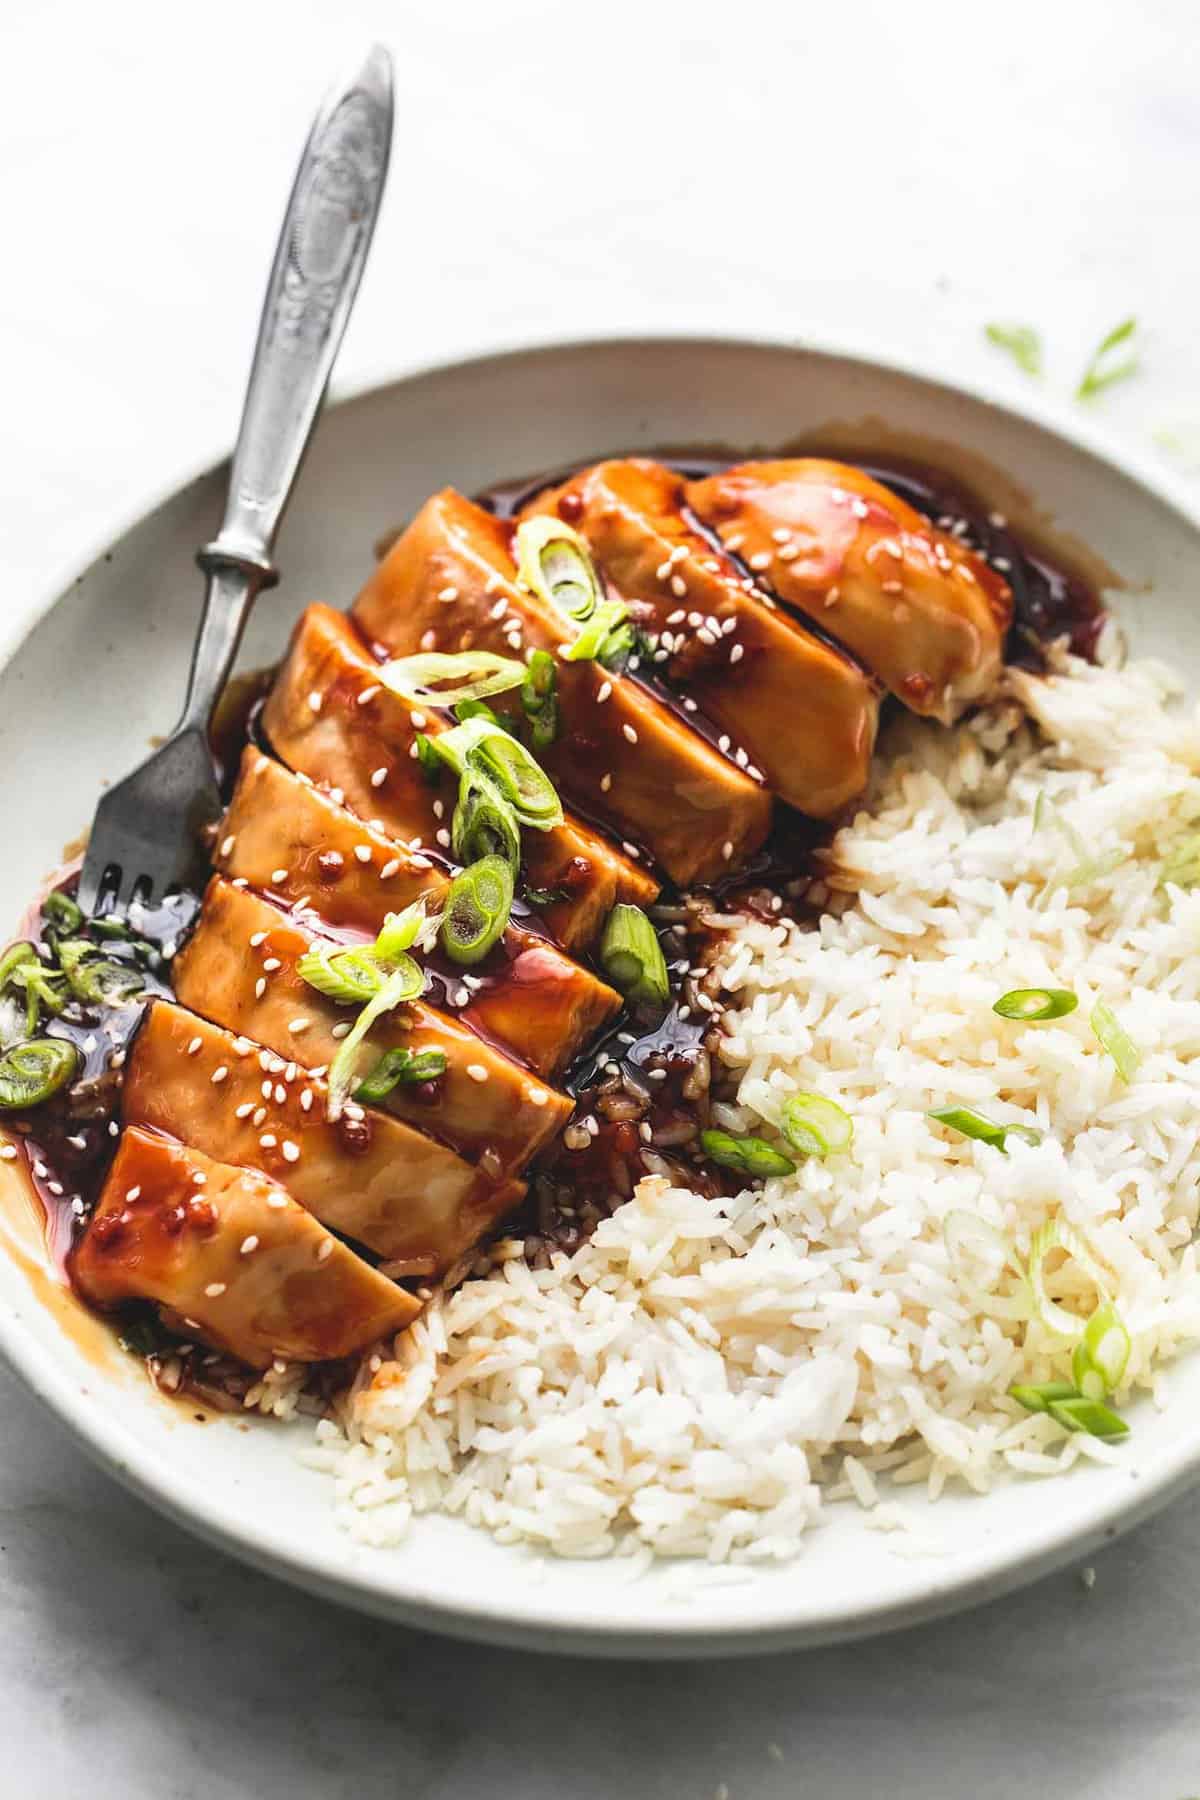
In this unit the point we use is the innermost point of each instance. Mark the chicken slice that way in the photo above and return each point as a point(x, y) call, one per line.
point(449, 584)
point(374, 1179)
point(803, 712)
point(232, 1257)
point(921, 610)
point(319, 722)
point(282, 834)
point(239, 970)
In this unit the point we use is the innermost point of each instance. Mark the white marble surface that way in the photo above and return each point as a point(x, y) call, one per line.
point(893, 174)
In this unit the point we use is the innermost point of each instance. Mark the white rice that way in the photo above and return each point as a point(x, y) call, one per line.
point(703, 1377)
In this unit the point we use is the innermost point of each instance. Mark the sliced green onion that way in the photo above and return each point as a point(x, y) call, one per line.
point(476, 709)
point(1036, 1003)
point(351, 976)
point(517, 774)
point(483, 824)
point(539, 699)
point(1021, 342)
point(1116, 1040)
point(1102, 1354)
point(1103, 369)
point(1057, 1234)
point(109, 926)
point(631, 956)
point(1041, 1396)
point(31, 1073)
point(974, 1124)
point(399, 932)
point(400, 1066)
point(428, 760)
point(1091, 1416)
point(43, 987)
point(442, 680)
point(16, 957)
point(748, 1155)
point(478, 905)
point(96, 980)
point(62, 913)
point(343, 1070)
point(816, 1126)
point(1181, 864)
point(555, 563)
point(598, 639)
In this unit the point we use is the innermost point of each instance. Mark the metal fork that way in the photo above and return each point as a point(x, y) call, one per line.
point(146, 839)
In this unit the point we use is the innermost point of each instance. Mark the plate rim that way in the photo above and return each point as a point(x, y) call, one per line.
point(116, 1447)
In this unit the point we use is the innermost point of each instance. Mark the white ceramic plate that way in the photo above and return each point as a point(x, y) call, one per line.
point(102, 670)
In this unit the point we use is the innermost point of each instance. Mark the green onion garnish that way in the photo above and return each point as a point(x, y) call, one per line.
point(14, 958)
point(400, 1066)
point(1102, 371)
point(539, 699)
point(478, 904)
point(1116, 1040)
point(816, 1126)
point(1092, 1416)
point(483, 824)
point(428, 760)
point(748, 1155)
point(1040, 1396)
point(1036, 1003)
point(399, 932)
point(438, 679)
point(1022, 343)
point(395, 990)
point(350, 976)
point(96, 980)
point(631, 956)
point(1058, 1234)
point(476, 709)
point(62, 913)
point(520, 778)
point(555, 563)
point(604, 637)
point(1102, 1353)
point(31, 1073)
point(974, 1124)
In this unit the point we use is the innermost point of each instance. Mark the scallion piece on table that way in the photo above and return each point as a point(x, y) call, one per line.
point(31, 1073)
point(1092, 1416)
point(748, 1155)
point(974, 1124)
point(1103, 369)
point(1040, 1396)
point(478, 905)
point(398, 1067)
point(1114, 1038)
point(555, 563)
point(539, 699)
point(631, 956)
point(483, 824)
point(1036, 1004)
point(440, 679)
point(816, 1126)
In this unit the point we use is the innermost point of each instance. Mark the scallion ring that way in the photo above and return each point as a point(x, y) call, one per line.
point(1042, 1395)
point(1058, 1234)
point(96, 980)
point(483, 824)
point(555, 563)
point(1102, 1353)
point(748, 1155)
point(816, 1126)
point(398, 1067)
point(61, 913)
point(539, 699)
point(16, 957)
point(31, 1073)
point(972, 1124)
point(443, 680)
point(517, 774)
point(632, 958)
point(598, 641)
point(399, 932)
point(478, 905)
point(350, 976)
point(1036, 1004)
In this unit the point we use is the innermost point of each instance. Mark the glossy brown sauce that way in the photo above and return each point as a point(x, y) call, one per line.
point(66, 1145)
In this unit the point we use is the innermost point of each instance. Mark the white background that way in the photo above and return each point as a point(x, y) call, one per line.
point(890, 174)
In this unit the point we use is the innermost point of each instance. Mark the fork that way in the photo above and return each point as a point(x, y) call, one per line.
point(148, 832)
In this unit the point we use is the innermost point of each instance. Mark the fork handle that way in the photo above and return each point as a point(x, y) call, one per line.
point(318, 265)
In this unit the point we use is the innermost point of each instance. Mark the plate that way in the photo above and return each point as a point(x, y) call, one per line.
point(100, 670)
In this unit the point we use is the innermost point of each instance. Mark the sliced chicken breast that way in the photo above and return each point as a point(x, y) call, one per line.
point(375, 1179)
point(232, 1257)
point(926, 614)
point(449, 584)
point(328, 717)
point(802, 711)
point(239, 970)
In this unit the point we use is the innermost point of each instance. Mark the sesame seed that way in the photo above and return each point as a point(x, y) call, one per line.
point(859, 508)
point(729, 624)
point(268, 1140)
point(195, 1045)
point(114, 1130)
point(314, 700)
point(367, 694)
point(443, 838)
point(342, 1030)
point(306, 1100)
point(215, 1289)
point(501, 607)
point(789, 553)
point(299, 1024)
point(260, 1113)
point(325, 1251)
point(249, 1245)
point(678, 586)
point(280, 1094)
point(605, 783)
point(260, 987)
point(631, 850)
point(781, 534)
point(270, 964)
point(227, 845)
point(761, 559)
point(603, 691)
point(676, 618)
point(477, 1072)
point(421, 862)
point(244, 1110)
point(200, 1179)
point(279, 874)
point(117, 1061)
point(389, 869)
point(291, 1152)
point(239, 881)
point(257, 938)
point(363, 852)
point(727, 850)
point(462, 997)
point(277, 1201)
point(705, 637)
point(723, 743)
point(130, 1193)
point(736, 653)
point(9, 1152)
point(663, 570)
point(218, 1075)
point(265, 1089)
point(448, 593)
point(630, 733)
point(337, 796)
